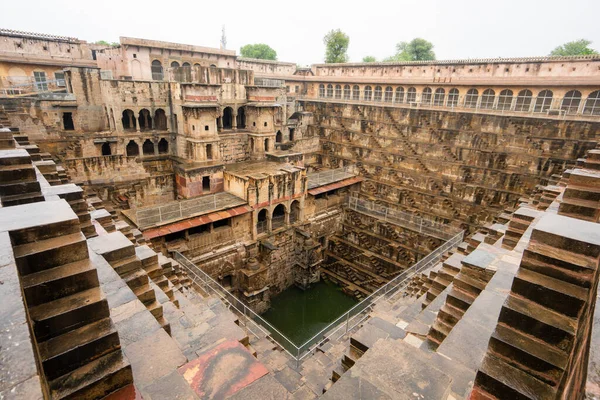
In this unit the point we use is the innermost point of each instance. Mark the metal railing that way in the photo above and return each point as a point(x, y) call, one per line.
point(20, 85)
point(185, 208)
point(269, 82)
point(341, 325)
point(316, 179)
point(497, 104)
point(401, 218)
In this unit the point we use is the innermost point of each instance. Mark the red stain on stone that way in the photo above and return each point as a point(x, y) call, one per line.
point(223, 370)
point(129, 392)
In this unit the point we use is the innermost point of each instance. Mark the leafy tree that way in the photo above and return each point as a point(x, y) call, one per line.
point(259, 50)
point(416, 50)
point(574, 48)
point(336, 46)
point(105, 43)
point(369, 59)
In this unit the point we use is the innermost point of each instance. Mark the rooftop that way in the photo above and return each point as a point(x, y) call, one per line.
point(260, 169)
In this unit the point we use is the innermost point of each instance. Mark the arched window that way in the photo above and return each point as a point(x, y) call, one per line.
point(186, 65)
point(228, 118)
point(487, 99)
point(174, 64)
point(471, 99)
point(426, 96)
point(106, 150)
point(368, 93)
point(160, 120)
point(453, 97)
point(338, 92)
point(438, 97)
point(261, 223)
point(132, 148)
point(399, 95)
point(197, 65)
point(523, 100)
point(347, 92)
point(505, 99)
point(278, 218)
point(330, 90)
point(543, 101)
point(157, 70)
point(145, 120)
point(389, 94)
point(377, 93)
point(570, 102)
point(128, 120)
point(148, 147)
point(411, 95)
point(355, 92)
point(163, 146)
point(295, 211)
point(278, 137)
point(321, 90)
point(592, 104)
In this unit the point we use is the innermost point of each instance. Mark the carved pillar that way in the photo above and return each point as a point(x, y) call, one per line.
point(137, 123)
point(234, 119)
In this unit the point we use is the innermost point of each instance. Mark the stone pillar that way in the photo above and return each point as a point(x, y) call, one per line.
point(269, 222)
point(155, 142)
point(220, 123)
point(137, 124)
point(234, 119)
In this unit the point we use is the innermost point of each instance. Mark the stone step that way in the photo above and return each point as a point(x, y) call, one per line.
point(136, 278)
point(15, 157)
point(50, 253)
point(566, 269)
point(94, 380)
point(469, 283)
point(126, 265)
point(450, 314)
point(535, 320)
point(504, 381)
point(16, 188)
point(67, 352)
point(19, 199)
point(54, 283)
point(533, 355)
point(17, 173)
point(460, 299)
point(59, 316)
point(156, 309)
point(549, 292)
point(145, 294)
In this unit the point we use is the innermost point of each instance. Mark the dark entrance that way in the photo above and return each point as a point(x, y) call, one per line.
point(68, 121)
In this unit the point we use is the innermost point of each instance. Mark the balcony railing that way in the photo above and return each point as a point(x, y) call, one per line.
point(510, 105)
point(22, 85)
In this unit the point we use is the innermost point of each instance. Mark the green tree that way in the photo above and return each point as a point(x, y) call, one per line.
point(574, 48)
point(369, 59)
point(336, 46)
point(259, 50)
point(105, 43)
point(416, 50)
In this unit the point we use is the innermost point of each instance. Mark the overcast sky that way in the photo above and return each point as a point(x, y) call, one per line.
point(295, 29)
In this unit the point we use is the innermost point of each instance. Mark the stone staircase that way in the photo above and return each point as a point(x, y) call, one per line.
point(540, 341)
point(121, 255)
point(78, 345)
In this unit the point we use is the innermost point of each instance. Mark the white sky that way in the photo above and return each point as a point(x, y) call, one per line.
point(295, 29)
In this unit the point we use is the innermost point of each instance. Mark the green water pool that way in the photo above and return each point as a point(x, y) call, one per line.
point(300, 314)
